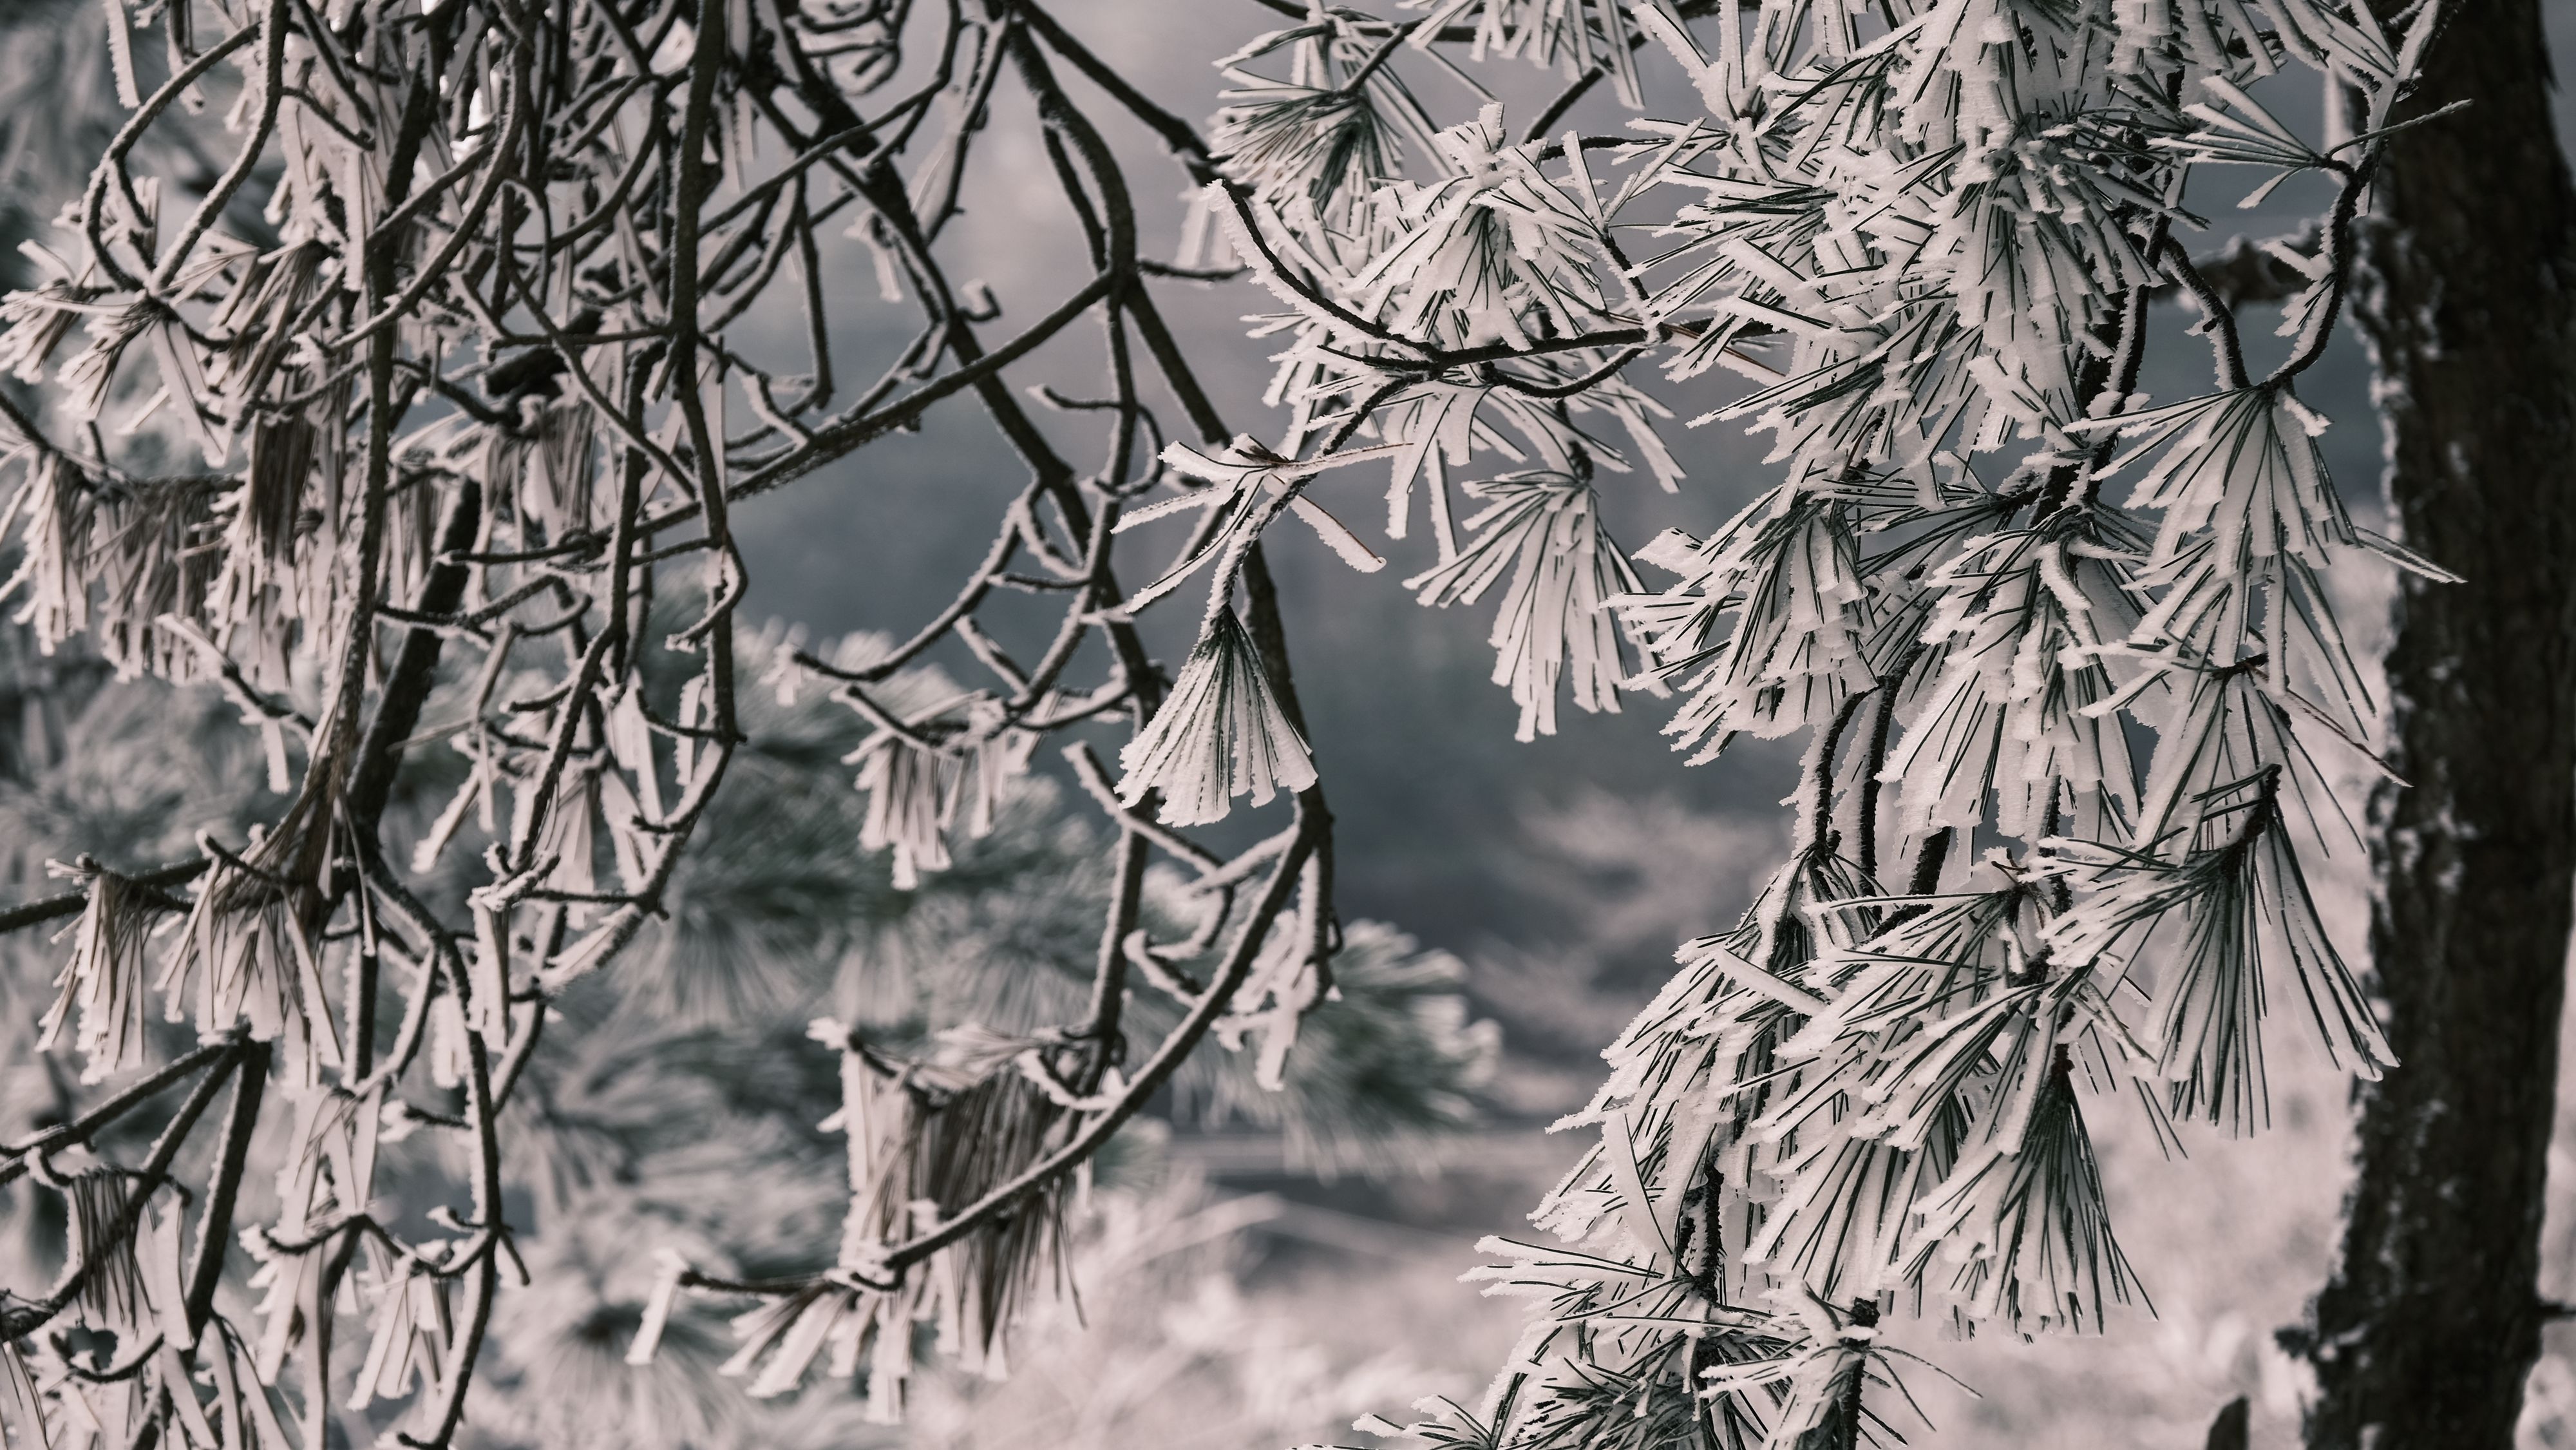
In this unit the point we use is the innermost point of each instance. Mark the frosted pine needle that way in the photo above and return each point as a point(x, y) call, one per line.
point(2021, 1228)
point(407, 1343)
point(1220, 734)
point(926, 1139)
point(249, 944)
point(104, 977)
point(937, 778)
point(102, 1242)
point(1543, 532)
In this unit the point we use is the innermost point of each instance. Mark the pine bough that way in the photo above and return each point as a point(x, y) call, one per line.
point(2062, 651)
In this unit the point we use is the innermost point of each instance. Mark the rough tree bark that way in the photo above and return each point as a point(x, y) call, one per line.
point(2468, 300)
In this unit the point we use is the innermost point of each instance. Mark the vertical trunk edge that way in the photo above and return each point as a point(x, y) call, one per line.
point(2430, 1324)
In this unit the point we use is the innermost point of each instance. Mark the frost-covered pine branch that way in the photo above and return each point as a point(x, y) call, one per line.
point(2066, 655)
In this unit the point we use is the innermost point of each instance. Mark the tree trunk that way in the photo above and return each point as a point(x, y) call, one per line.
point(2468, 299)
